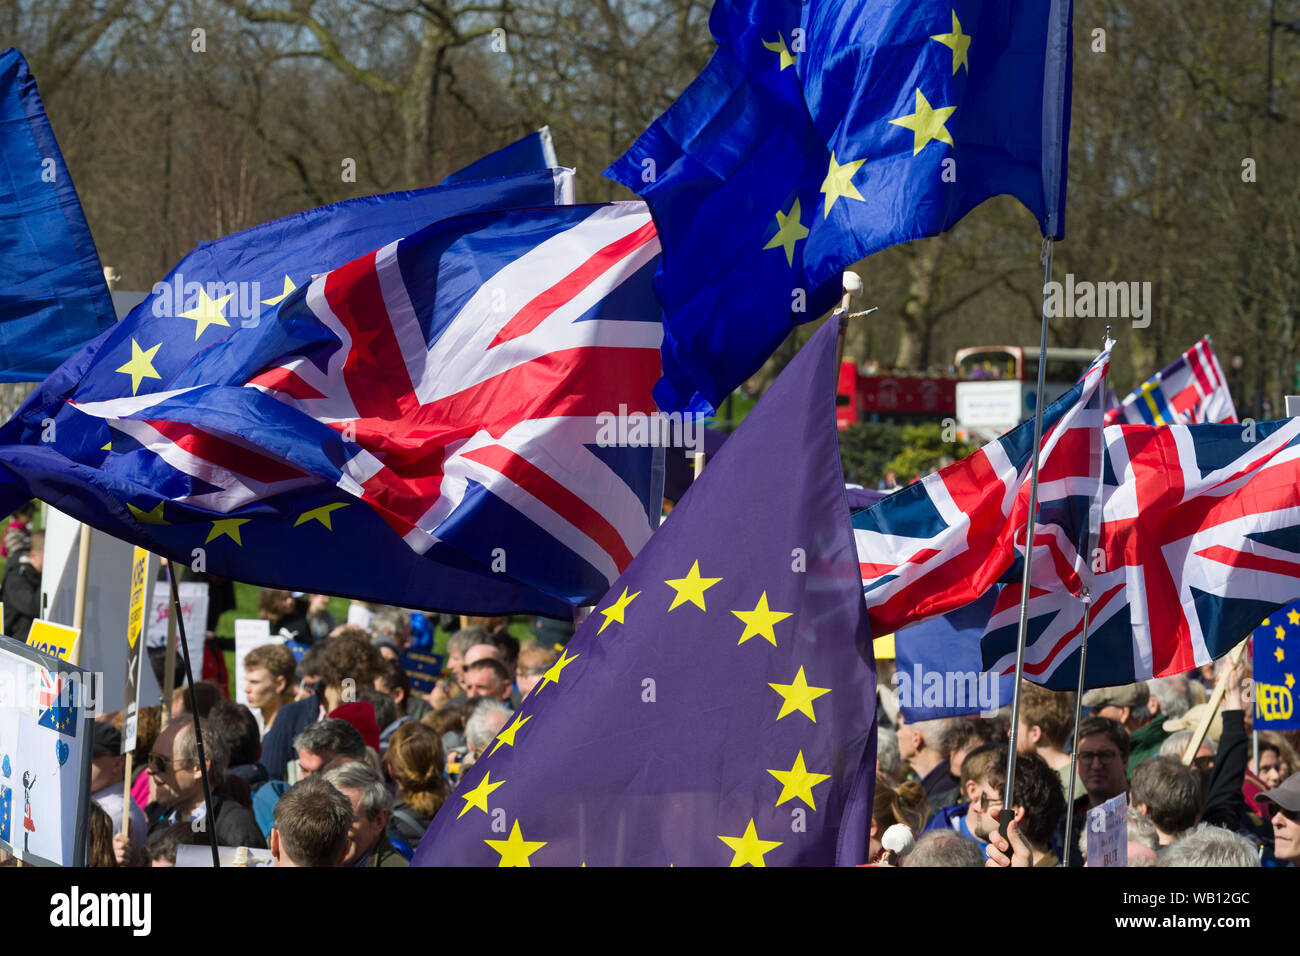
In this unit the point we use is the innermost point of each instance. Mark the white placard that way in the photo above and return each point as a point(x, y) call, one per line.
point(194, 613)
point(44, 760)
point(250, 633)
point(1108, 833)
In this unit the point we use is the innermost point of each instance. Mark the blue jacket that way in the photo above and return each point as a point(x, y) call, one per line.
point(290, 721)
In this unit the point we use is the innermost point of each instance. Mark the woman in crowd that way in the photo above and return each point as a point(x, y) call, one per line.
point(414, 761)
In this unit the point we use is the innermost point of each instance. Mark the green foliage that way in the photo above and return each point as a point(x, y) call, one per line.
point(867, 448)
point(924, 451)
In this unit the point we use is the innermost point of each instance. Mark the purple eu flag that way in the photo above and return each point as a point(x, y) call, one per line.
point(718, 708)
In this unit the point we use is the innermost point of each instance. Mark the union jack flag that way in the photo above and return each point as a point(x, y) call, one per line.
point(1190, 391)
point(58, 710)
point(943, 541)
point(448, 386)
point(1199, 541)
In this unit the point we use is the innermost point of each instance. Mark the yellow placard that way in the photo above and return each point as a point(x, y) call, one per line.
point(884, 647)
point(135, 617)
point(53, 639)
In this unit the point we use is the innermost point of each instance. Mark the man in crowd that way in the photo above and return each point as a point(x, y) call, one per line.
point(107, 781)
point(312, 821)
point(270, 681)
point(347, 656)
point(316, 746)
point(237, 728)
point(1168, 793)
point(394, 681)
point(20, 590)
point(1102, 748)
point(458, 644)
point(372, 804)
point(178, 786)
point(1284, 801)
point(921, 747)
point(1046, 719)
point(487, 678)
point(392, 624)
point(964, 735)
point(1036, 798)
point(942, 848)
point(979, 797)
point(1132, 707)
point(483, 725)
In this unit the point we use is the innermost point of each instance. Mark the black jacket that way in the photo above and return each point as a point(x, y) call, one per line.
point(21, 592)
point(236, 825)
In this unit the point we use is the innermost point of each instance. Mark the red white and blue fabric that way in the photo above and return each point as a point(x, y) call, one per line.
point(1199, 541)
point(943, 541)
point(1191, 391)
point(452, 381)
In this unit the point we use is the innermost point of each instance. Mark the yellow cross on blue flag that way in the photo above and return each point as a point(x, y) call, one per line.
point(826, 130)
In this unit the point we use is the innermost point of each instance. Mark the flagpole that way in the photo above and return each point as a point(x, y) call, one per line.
point(1086, 597)
point(79, 598)
point(1006, 815)
point(210, 821)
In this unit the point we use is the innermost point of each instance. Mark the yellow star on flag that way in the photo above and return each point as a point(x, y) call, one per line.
point(778, 46)
point(552, 676)
point(839, 182)
point(153, 516)
point(797, 695)
point(691, 588)
point(321, 514)
point(748, 847)
point(277, 299)
point(798, 781)
point(760, 621)
point(516, 850)
point(229, 527)
point(507, 735)
point(789, 230)
point(107, 446)
point(478, 796)
point(616, 610)
point(207, 312)
point(958, 42)
point(141, 365)
point(1280, 632)
point(1277, 653)
point(1293, 616)
point(926, 123)
point(1290, 680)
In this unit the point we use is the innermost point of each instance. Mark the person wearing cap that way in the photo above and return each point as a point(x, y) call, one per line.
point(1133, 707)
point(108, 784)
point(1284, 801)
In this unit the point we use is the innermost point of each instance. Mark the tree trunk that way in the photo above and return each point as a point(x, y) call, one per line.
point(914, 342)
point(419, 105)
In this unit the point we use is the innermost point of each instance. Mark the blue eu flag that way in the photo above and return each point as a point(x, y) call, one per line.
point(53, 298)
point(823, 131)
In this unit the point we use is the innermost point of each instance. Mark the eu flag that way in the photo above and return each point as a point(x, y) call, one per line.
point(823, 131)
point(1275, 660)
point(53, 298)
point(718, 707)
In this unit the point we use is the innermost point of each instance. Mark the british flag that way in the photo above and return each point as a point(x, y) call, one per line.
point(1199, 541)
point(1190, 391)
point(943, 541)
point(449, 386)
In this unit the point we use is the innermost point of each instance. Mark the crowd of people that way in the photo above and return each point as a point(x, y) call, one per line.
point(334, 761)
point(943, 780)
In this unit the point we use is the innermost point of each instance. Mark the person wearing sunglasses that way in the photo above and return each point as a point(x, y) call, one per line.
point(1284, 801)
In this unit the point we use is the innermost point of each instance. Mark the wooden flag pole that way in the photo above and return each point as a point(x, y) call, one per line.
point(126, 790)
point(169, 664)
point(79, 601)
point(1216, 698)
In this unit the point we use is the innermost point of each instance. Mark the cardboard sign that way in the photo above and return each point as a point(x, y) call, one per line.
point(423, 670)
point(194, 615)
point(46, 707)
point(228, 855)
point(53, 639)
point(1108, 833)
point(250, 633)
point(140, 578)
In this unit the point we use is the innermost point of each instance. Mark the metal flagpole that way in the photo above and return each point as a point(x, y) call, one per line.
point(1086, 598)
point(210, 820)
point(1005, 817)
